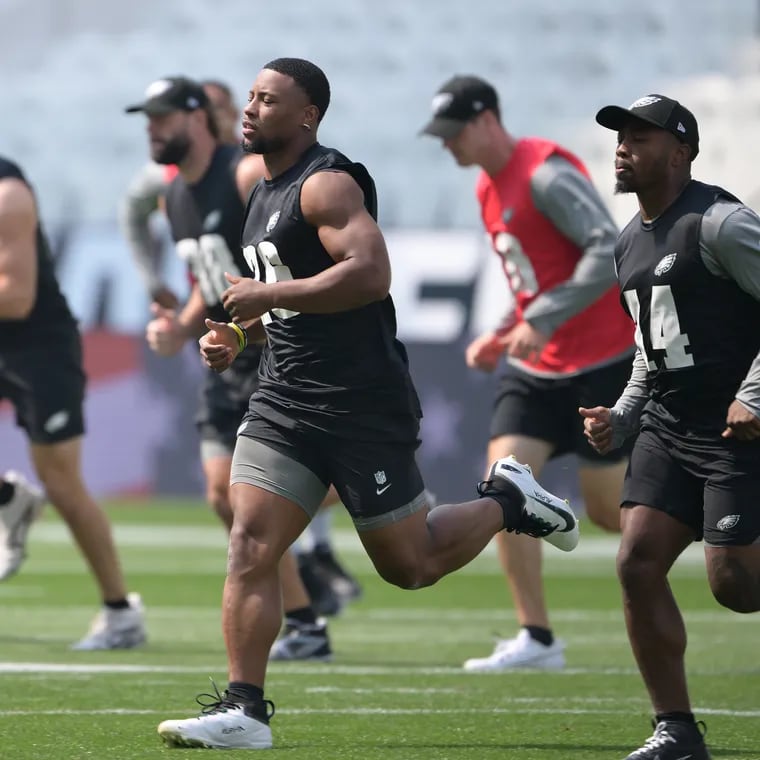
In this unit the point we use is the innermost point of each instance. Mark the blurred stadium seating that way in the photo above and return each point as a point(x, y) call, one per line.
point(77, 62)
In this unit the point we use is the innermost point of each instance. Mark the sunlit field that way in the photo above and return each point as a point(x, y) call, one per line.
point(395, 688)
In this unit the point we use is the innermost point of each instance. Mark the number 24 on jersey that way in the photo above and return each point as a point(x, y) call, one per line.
point(664, 328)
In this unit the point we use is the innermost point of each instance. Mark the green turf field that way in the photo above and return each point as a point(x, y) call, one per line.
point(395, 688)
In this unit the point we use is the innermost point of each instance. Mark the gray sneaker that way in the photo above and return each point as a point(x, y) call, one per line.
point(116, 629)
point(15, 519)
point(302, 642)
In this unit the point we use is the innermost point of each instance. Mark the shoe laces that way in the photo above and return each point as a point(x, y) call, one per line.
point(662, 736)
point(538, 527)
point(657, 740)
point(219, 702)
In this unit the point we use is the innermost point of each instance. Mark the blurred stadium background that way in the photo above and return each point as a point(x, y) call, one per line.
point(69, 67)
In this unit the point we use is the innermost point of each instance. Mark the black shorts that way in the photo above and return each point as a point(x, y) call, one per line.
point(547, 408)
point(223, 403)
point(378, 481)
point(714, 489)
point(45, 383)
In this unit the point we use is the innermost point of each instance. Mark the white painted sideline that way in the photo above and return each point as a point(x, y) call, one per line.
point(213, 537)
point(551, 709)
point(314, 669)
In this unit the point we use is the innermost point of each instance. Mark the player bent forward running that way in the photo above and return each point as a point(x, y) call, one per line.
point(335, 402)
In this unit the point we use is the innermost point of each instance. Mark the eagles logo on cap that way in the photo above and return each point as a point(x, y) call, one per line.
point(171, 94)
point(458, 101)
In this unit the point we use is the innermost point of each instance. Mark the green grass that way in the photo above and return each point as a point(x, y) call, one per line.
point(395, 688)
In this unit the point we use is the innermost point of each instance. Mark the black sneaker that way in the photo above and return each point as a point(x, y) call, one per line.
point(307, 641)
point(674, 740)
point(541, 514)
point(341, 581)
point(323, 598)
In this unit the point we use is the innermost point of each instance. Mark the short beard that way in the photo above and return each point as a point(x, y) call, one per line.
point(622, 187)
point(174, 151)
point(263, 145)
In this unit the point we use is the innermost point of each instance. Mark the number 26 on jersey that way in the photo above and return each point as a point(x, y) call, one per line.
point(274, 271)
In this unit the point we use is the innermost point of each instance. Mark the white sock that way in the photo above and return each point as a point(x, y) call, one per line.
point(320, 527)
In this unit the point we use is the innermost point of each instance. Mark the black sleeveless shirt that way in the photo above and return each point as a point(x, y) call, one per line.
point(50, 317)
point(205, 220)
point(339, 364)
point(698, 332)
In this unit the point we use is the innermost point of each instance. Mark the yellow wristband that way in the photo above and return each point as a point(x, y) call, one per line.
point(241, 335)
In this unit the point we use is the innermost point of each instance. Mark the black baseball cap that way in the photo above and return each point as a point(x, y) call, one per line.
point(458, 101)
point(171, 94)
point(663, 112)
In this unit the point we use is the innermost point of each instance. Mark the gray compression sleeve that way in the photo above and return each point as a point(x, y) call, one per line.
point(140, 201)
point(730, 247)
point(571, 203)
point(627, 410)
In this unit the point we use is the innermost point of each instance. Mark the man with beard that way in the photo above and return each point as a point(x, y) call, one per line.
point(146, 190)
point(335, 402)
point(327, 581)
point(204, 205)
point(564, 337)
point(41, 374)
point(688, 265)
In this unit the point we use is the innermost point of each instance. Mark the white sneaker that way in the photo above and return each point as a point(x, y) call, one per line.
point(15, 519)
point(222, 725)
point(544, 515)
point(116, 629)
point(520, 653)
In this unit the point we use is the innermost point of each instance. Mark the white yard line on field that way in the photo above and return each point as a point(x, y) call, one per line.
point(213, 537)
point(550, 709)
point(312, 669)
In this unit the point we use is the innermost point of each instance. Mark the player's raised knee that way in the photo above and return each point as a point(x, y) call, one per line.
point(734, 589)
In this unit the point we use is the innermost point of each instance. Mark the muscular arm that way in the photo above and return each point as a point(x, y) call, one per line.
point(141, 200)
point(334, 204)
point(730, 247)
point(571, 203)
point(18, 251)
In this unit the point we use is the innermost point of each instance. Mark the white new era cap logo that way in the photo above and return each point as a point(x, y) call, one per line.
point(645, 101)
point(681, 127)
point(158, 87)
point(441, 102)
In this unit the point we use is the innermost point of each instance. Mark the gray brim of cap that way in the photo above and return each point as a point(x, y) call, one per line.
point(151, 109)
point(616, 117)
point(442, 127)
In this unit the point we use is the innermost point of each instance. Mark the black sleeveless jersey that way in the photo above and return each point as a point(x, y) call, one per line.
point(338, 364)
point(50, 316)
point(698, 332)
point(205, 220)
